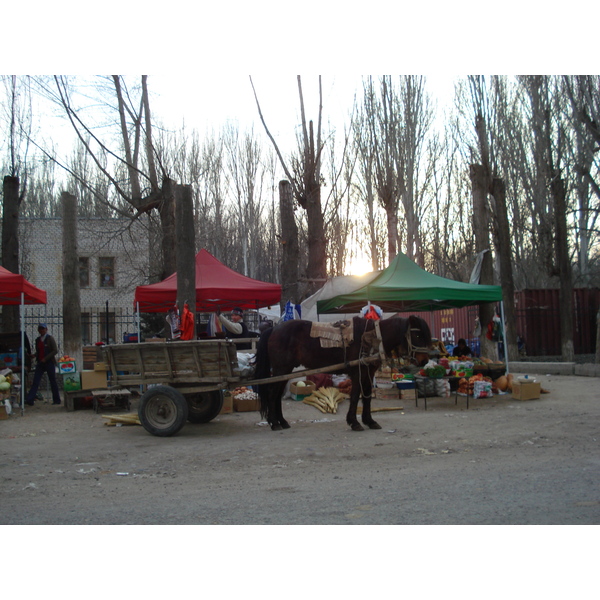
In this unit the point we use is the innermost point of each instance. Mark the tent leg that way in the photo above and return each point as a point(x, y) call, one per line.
point(504, 336)
point(22, 321)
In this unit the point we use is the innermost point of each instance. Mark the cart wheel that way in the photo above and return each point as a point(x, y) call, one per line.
point(205, 406)
point(163, 411)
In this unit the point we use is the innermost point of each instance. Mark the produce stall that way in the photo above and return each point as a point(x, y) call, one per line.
point(404, 287)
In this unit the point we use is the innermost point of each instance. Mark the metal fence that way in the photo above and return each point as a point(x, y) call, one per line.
point(98, 324)
point(109, 325)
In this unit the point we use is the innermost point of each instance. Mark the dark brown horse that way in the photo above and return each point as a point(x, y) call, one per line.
point(290, 344)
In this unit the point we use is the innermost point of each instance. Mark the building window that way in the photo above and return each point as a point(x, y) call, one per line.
point(84, 272)
point(106, 269)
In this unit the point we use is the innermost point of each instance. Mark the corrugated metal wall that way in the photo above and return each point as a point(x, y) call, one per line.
point(538, 321)
point(451, 324)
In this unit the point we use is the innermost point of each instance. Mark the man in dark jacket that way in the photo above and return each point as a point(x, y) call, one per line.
point(45, 355)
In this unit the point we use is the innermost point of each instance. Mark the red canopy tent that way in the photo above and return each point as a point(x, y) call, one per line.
point(13, 285)
point(15, 289)
point(217, 286)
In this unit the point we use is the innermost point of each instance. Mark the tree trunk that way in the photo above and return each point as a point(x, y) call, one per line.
point(481, 220)
point(598, 337)
point(71, 290)
point(506, 275)
point(166, 210)
point(316, 271)
point(289, 242)
point(557, 188)
point(186, 248)
point(10, 245)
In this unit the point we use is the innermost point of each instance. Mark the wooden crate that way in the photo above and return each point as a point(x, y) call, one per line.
point(91, 355)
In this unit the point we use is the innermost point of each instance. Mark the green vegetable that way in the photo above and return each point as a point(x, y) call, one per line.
point(436, 372)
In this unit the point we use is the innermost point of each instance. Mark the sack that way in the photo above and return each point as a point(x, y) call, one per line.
point(482, 389)
point(321, 379)
point(442, 388)
point(425, 387)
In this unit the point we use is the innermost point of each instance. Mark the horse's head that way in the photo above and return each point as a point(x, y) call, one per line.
point(418, 336)
point(419, 332)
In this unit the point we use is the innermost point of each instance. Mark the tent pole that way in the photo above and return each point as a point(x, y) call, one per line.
point(139, 332)
point(22, 320)
point(504, 344)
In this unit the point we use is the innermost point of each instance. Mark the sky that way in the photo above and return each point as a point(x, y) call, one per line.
point(199, 56)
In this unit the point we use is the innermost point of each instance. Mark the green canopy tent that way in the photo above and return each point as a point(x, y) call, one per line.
point(403, 286)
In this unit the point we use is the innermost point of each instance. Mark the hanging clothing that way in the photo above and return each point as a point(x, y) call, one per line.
point(174, 321)
point(187, 324)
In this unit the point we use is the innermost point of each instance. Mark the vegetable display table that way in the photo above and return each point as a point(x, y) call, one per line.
point(425, 380)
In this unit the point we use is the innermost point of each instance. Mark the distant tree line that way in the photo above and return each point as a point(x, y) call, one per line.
point(510, 166)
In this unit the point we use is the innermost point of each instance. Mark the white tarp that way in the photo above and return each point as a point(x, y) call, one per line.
point(344, 284)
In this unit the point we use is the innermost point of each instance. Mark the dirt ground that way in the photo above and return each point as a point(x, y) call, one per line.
point(499, 462)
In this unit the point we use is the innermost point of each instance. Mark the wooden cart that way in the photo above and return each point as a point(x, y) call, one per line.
point(183, 380)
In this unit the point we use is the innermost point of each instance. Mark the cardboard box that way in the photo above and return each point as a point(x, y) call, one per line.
point(526, 391)
point(3, 413)
point(71, 382)
point(381, 394)
point(408, 394)
point(227, 404)
point(299, 393)
point(240, 405)
point(8, 359)
point(93, 380)
point(69, 366)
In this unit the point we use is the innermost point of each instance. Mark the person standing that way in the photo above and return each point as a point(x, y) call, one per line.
point(236, 328)
point(45, 355)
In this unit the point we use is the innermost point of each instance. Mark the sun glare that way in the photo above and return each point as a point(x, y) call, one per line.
point(359, 265)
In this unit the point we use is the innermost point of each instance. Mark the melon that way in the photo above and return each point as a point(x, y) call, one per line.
point(502, 383)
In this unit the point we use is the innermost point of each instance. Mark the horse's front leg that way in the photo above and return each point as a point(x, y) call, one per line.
point(367, 390)
point(276, 420)
point(351, 415)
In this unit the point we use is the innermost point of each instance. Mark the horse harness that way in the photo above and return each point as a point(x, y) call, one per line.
point(412, 349)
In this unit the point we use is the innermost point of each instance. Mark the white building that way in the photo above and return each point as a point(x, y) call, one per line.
point(113, 260)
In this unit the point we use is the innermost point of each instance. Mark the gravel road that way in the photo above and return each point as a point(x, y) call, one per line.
point(499, 462)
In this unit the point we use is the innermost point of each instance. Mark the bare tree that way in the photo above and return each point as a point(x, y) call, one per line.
point(17, 124)
point(304, 176)
point(140, 191)
point(489, 207)
point(549, 155)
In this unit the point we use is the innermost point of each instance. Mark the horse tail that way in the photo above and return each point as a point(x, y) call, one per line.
point(262, 370)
